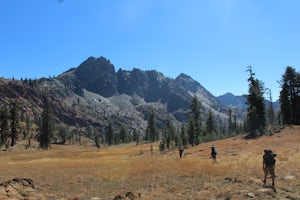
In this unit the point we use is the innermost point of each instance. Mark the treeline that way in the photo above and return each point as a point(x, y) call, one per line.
point(290, 97)
point(201, 125)
point(259, 118)
point(15, 124)
point(46, 131)
point(9, 123)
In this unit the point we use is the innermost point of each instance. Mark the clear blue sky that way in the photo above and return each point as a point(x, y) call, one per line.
point(213, 41)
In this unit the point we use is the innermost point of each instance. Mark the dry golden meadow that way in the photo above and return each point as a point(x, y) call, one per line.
point(84, 172)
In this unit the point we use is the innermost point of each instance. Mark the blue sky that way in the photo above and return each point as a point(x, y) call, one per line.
point(213, 41)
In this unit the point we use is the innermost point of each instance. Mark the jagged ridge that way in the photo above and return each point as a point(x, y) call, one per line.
point(94, 93)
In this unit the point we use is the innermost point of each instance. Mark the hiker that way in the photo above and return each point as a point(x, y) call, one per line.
point(181, 149)
point(213, 152)
point(269, 166)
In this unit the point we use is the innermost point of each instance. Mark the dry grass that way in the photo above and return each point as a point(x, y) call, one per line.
point(69, 172)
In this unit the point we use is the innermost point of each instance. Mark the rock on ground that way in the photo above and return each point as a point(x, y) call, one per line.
point(19, 188)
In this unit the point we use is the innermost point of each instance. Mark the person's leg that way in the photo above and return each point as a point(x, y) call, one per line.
point(215, 158)
point(272, 172)
point(266, 174)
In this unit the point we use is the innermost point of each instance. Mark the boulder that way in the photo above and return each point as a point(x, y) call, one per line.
point(19, 188)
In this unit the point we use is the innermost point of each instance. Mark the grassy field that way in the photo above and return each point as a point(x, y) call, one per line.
point(83, 172)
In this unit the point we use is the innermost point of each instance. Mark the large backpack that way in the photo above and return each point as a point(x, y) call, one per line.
point(269, 158)
point(214, 151)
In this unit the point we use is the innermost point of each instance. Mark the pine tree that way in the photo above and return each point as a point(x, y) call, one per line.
point(271, 113)
point(177, 139)
point(136, 136)
point(97, 141)
point(109, 134)
point(256, 120)
point(184, 137)
point(14, 114)
point(123, 135)
point(63, 134)
point(290, 97)
point(195, 125)
point(210, 124)
point(297, 99)
point(191, 132)
point(230, 121)
point(4, 129)
point(28, 126)
point(235, 124)
point(162, 146)
point(170, 133)
point(165, 139)
point(116, 138)
point(151, 132)
point(46, 126)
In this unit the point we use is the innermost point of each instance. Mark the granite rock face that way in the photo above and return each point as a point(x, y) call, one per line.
point(94, 93)
point(97, 75)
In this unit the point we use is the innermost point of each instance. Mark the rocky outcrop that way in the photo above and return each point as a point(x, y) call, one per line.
point(94, 94)
point(19, 188)
point(128, 196)
point(97, 75)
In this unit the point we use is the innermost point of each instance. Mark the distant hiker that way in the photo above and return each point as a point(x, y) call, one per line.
point(269, 165)
point(214, 152)
point(151, 149)
point(181, 149)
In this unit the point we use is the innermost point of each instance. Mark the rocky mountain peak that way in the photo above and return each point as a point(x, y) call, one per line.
point(97, 75)
point(183, 76)
point(94, 93)
point(95, 64)
point(187, 83)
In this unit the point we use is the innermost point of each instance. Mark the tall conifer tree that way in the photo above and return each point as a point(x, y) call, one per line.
point(109, 134)
point(184, 137)
point(271, 114)
point(230, 125)
point(256, 120)
point(290, 97)
point(14, 116)
point(210, 124)
point(4, 129)
point(123, 135)
point(47, 126)
point(151, 132)
point(194, 124)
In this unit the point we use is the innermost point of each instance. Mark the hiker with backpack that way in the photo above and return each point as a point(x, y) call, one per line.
point(213, 152)
point(269, 166)
point(181, 149)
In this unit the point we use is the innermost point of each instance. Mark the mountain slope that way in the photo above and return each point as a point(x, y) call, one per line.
point(233, 101)
point(94, 94)
point(239, 102)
